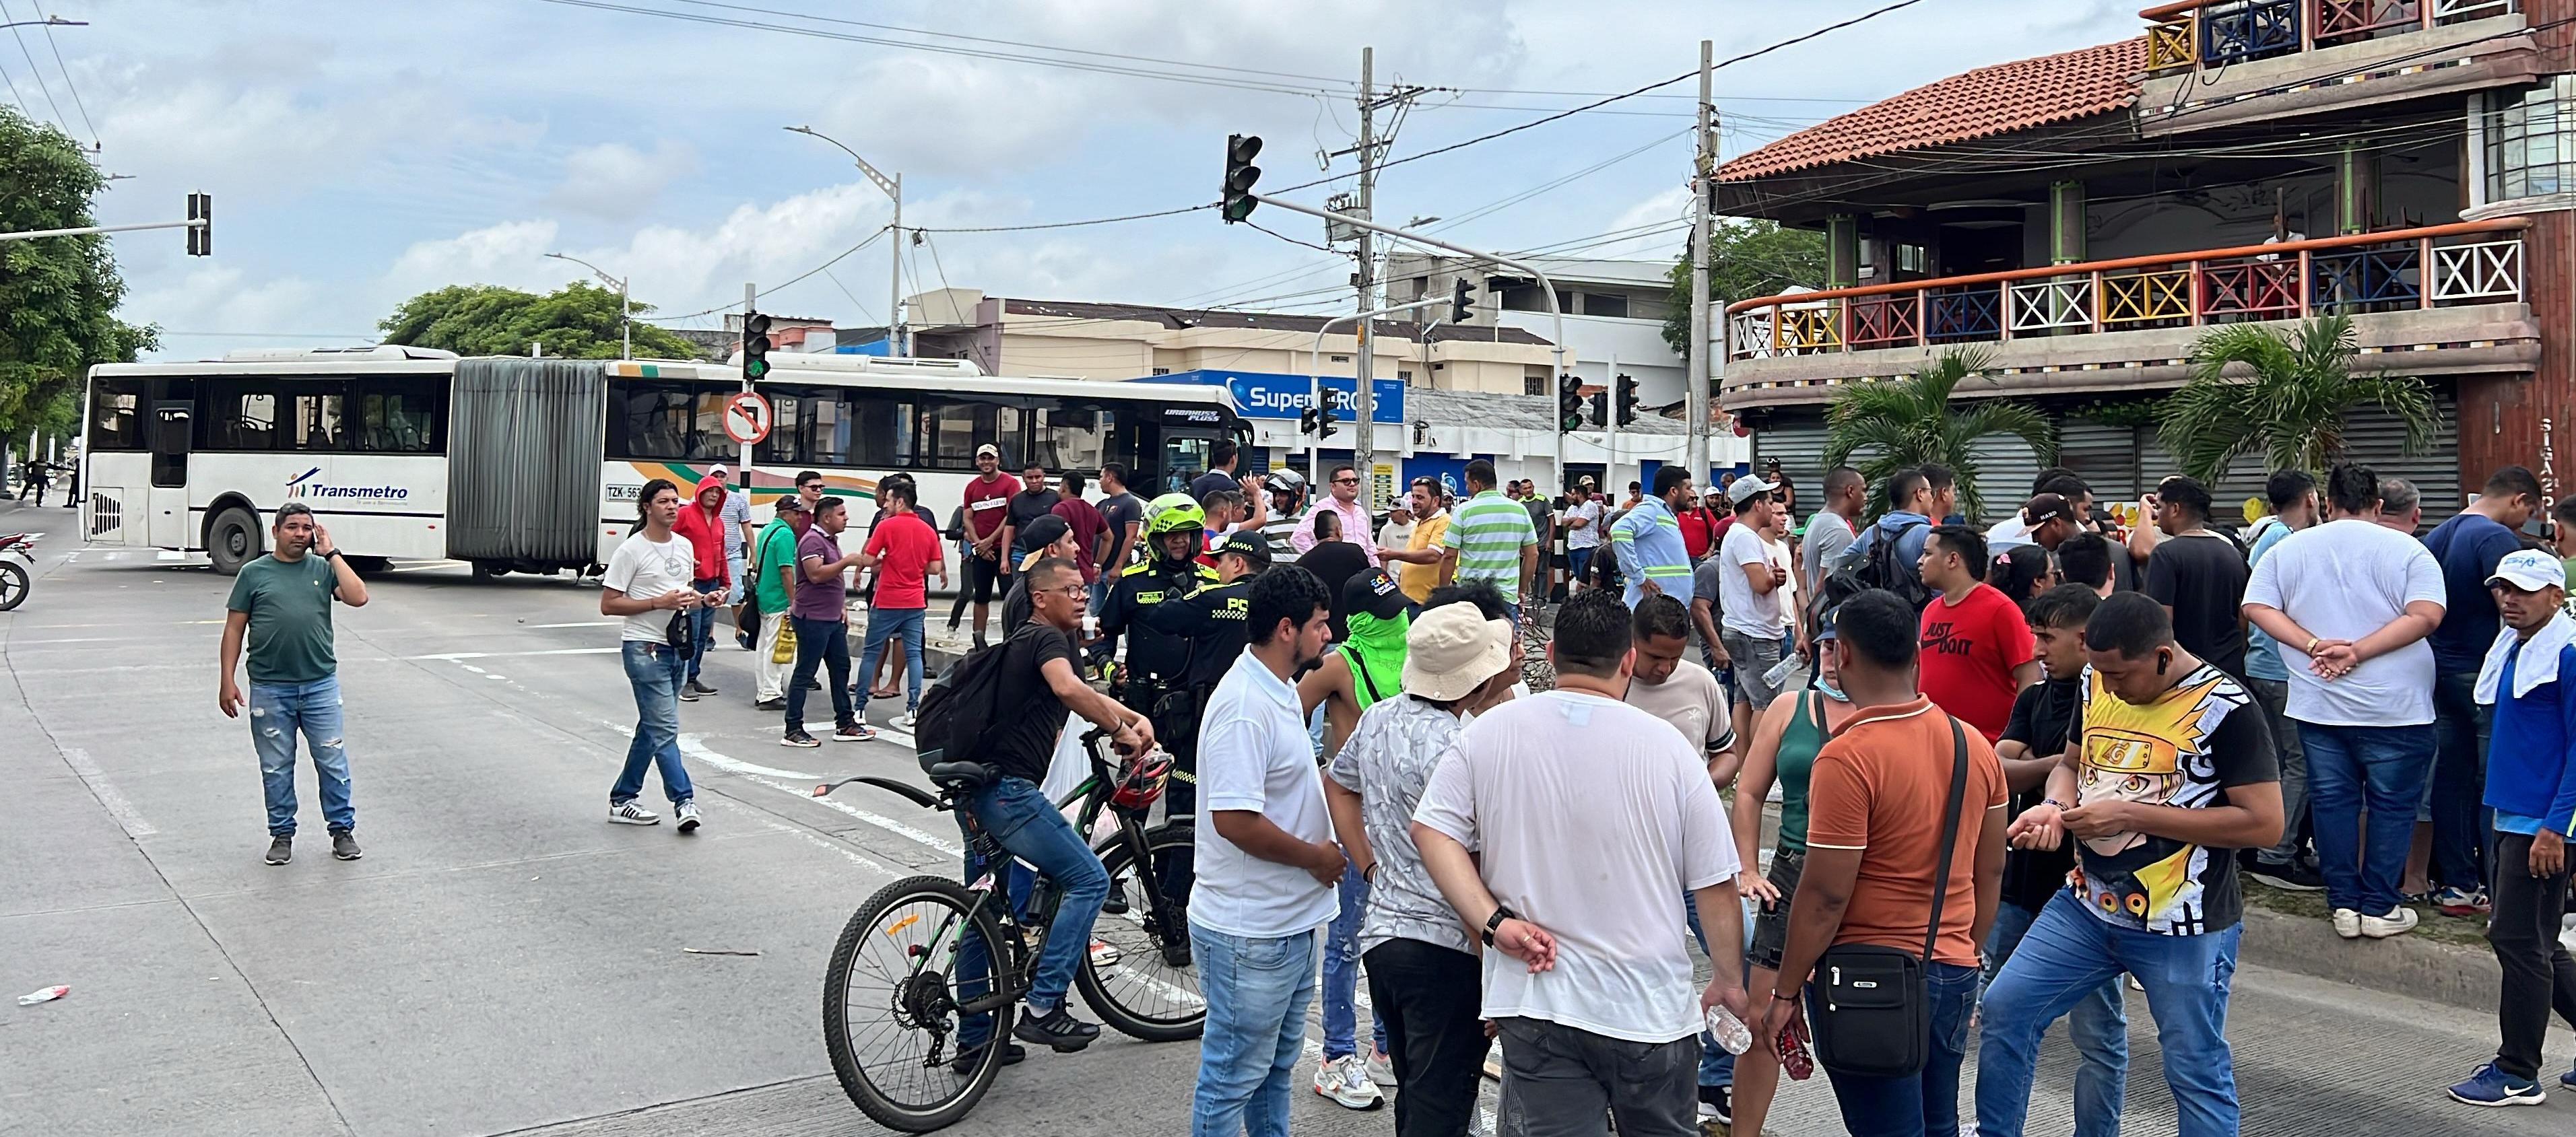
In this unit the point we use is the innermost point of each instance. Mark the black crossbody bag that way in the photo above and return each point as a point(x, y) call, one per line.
point(1873, 1003)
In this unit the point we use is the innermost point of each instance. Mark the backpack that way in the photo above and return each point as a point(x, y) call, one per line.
point(959, 712)
point(1881, 569)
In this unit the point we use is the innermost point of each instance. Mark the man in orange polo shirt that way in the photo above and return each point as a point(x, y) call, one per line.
point(1875, 804)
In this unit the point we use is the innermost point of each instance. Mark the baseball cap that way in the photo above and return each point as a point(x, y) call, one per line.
point(719, 471)
point(1742, 489)
point(2530, 570)
point(1375, 593)
point(1452, 649)
point(1250, 546)
point(790, 503)
point(2047, 507)
point(1586, 481)
point(988, 448)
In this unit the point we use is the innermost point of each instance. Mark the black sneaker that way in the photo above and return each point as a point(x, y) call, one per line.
point(1717, 1103)
point(1012, 1055)
point(779, 704)
point(701, 687)
point(344, 845)
point(1057, 1029)
point(2292, 877)
point(281, 850)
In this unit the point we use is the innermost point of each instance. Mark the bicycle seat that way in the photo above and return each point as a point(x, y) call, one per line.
point(964, 777)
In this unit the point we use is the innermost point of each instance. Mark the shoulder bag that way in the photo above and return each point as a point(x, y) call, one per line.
point(1872, 1013)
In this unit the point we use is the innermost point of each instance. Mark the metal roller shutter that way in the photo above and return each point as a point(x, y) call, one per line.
point(1798, 442)
point(2106, 457)
point(2371, 437)
point(2006, 466)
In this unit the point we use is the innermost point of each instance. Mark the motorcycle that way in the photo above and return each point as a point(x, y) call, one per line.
point(14, 576)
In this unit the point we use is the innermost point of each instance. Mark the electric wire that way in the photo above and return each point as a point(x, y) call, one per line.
point(68, 85)
point(20, 34)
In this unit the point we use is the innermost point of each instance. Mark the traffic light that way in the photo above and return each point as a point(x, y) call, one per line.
point(755, 346)
point(201, 238)
point(1240, 173)
point(1627, 400)
point(1324, 419)
point(1569, 403)
point(1460, 302)
point(1601, 407)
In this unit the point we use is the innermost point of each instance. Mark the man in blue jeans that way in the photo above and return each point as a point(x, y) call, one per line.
point(2468, 546)
point(649, 583)
point(1039, 682)
point(282, 604)
point(2173, 773)
point(904, 552)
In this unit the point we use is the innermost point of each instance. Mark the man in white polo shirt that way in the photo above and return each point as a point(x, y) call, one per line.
point(1266, 862)
point(1561, 830)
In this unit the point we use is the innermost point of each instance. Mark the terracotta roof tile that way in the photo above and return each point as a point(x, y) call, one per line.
point(1973, 104)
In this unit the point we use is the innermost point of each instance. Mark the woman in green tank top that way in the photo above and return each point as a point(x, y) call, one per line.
point(1783, 750)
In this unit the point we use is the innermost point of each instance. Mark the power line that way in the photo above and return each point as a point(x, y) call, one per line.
point(20, 35)
point(798, 278)
point(1065, 224)
point(69, 86)
point(1289, 239)
point(1016, 43)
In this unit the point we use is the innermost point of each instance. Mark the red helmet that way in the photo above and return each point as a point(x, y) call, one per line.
point(1140, 780)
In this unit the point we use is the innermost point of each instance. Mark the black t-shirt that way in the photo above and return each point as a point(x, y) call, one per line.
point(1335, 563)
point(2202, 578)
point(1031, 714)
point(1116, 511)
point(1210, 482)
point(1026, 507)
point(2041, 716)
point(2186, 749)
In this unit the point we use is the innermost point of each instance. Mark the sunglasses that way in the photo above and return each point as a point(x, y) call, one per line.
point(1346, 481)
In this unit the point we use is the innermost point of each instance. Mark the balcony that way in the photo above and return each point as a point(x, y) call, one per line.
point(2448, 296)
point(2220, 62)
point(2195, 33)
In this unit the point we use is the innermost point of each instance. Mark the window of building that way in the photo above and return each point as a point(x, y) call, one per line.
point(1910, 257)
point(1403, 376)
point(1533, 384)
point(2531, 140)
point(1162, 371)
point(1605, 304)
point(115, 414)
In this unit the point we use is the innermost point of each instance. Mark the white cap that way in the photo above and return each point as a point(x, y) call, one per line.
point(1451, 650)
point(1745, 487)
point(2530, 570)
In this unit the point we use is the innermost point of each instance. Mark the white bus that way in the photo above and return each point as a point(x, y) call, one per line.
point(533, 465)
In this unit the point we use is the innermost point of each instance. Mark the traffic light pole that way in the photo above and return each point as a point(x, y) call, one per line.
point(90, 229)
point(1361, 405)
point(742, 470)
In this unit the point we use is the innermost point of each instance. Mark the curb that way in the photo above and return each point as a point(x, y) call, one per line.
point(2450, 974)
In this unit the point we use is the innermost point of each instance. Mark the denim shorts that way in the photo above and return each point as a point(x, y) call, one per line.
point(1771, 924)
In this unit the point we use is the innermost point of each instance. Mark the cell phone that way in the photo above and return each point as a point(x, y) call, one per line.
point(1794, 1059)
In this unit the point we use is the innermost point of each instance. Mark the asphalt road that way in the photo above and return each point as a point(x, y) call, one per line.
point(505, 961)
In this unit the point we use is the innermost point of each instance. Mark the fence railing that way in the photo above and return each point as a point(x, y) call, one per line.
point(2211, 33)
point(2469, 262)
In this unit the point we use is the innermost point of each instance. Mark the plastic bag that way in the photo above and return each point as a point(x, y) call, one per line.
point(784, 651)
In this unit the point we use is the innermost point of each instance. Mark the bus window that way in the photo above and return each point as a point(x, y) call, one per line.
point(957, 428)
point(400, 414)
point(1061, 438)
point(707, 439)
point(315, 421)
point(240, 414)
point(115, 414)
point(784, 446)
point(1185, 456)
point(828, 432)
point(884, 430)
point(653, 421)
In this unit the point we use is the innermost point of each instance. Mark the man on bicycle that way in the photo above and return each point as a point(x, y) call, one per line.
point(1040, 681)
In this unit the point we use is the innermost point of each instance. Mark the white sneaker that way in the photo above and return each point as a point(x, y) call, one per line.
point(632, 814)
point(687, 812)
point(1345, 1080)
point(2347, 923)
point(905, 720)
point(1105, 955)
point(1381, 1070)
point(2399, 921)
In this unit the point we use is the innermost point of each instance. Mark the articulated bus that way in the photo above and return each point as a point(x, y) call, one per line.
point(533, 465)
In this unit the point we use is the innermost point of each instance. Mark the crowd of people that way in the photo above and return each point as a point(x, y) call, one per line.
point(2010, 765)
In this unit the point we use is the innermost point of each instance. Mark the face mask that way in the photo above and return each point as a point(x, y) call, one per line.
point(1831, 691)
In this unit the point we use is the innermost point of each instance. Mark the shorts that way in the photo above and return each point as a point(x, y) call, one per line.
point(733, 594)
point(1771, 924)
point(981, 573)
point(1753, 657)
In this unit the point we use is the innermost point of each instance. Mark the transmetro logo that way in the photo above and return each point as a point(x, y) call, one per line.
point(310, 484)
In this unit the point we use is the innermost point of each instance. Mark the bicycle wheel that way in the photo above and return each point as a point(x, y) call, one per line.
point(1140, 979)
point(890, 1000)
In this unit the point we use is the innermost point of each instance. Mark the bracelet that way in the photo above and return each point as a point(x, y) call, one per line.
point(2057, 803)
point(1776, 996)
point(2311, 649)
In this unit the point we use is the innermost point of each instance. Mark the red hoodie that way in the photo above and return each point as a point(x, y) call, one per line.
point(704, 527)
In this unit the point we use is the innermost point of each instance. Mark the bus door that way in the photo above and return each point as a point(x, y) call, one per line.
point(173, 428)
point(1189, 435)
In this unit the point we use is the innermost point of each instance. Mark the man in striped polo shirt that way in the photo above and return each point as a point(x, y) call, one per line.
point(1490, 538)
point(1648, 541)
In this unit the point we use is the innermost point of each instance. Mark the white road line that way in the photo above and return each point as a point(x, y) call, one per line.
point(695, 746)
point(108, 797)
point(767, 777)
point(456, 655)
point(474, 669)
point(425, 565)
point(582, 624)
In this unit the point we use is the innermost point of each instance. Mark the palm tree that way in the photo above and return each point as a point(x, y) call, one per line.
point(1909, 422)
point(2292, 408)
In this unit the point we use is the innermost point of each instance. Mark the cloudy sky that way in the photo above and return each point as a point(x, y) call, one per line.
point(361, 151)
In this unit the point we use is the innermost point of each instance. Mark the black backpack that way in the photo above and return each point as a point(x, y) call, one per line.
point(959, 712)
point(1882, 569)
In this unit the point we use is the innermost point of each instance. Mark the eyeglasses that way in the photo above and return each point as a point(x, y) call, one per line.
point(1346, 481)
point(1076, 591)
point(817, 487)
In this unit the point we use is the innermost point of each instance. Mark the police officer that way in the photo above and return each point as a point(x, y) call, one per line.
point(1216, 618)
point(1158, 658)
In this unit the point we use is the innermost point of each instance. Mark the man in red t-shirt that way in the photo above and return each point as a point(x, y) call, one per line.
point(904, 551)
point(1701, 529)
point(988, 521)
point(1977, 649)
point(1084, 517)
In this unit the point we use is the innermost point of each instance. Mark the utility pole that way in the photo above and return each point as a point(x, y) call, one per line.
point(1364, 405)
point(1697, 384)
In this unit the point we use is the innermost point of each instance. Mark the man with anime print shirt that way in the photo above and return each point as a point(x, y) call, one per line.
point(2172, 772)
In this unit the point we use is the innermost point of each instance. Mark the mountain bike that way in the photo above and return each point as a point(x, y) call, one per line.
point(929, 973)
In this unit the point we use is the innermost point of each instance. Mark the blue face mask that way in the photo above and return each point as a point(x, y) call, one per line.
point(1831, 691)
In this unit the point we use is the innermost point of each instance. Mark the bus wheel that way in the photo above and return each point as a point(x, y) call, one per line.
point(486, 570)
point(233, 540)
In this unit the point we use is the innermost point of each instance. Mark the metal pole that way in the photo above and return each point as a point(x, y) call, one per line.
point(1315, 368)
point(742, 470)
point(625, 321)
point(1364, 447)
point(895, 346)
point(89, 229)
point(1697, 383)
point(1610, 419)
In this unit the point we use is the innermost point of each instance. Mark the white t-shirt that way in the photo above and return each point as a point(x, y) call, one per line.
point(644, 570)
point(1746, 612)
point(1255, 754)
point(1590, 818)
point(1692, 700)
point(2344, 580)
point(1588, 537)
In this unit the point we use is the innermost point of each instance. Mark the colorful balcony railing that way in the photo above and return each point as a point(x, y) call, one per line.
point(2211, 33)
point(2469, 262)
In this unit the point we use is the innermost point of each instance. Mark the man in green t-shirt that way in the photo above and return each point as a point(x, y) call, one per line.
point(773, 562)
point(282, 603)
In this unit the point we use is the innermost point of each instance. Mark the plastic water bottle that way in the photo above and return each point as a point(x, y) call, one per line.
point(1779, 672)
point(1729, 1031)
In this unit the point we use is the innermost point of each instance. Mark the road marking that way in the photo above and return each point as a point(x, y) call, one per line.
point(767, 777)
point(425, 565)
point(456, 655)
point(582, 624)
point(166, 555)
point(474, 669)
point(695, 746)
point(108, 798)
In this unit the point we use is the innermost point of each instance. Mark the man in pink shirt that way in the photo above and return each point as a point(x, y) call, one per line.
point(1344, 500)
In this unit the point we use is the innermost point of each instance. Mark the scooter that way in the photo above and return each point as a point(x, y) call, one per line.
point(15, 576)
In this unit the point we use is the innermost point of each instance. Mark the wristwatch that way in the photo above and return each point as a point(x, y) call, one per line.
point(333, 553)
point(1494, 921)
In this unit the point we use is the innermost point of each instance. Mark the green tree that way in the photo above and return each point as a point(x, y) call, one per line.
point(58, 295)
point(1747, 258)
point(1912, 421)
point(578, 321)
point(2291, 409)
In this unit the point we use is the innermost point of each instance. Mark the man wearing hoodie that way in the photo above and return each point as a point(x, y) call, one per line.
point(702, 522)
point(2531, 785)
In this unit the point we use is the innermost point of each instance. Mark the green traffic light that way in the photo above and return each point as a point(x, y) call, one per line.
point(755, 368)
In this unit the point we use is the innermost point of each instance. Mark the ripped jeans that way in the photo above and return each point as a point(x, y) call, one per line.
point(278, 711)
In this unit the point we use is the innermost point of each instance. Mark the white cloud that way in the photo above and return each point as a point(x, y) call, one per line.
point(511, 252)
point(616, 181)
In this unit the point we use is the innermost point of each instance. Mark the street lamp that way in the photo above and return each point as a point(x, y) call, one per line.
point(893, 187)
point(625, 304)
point(56, 21)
